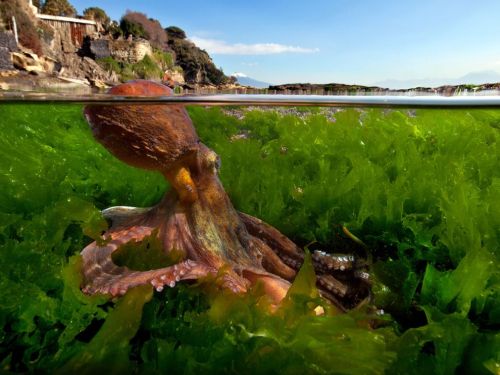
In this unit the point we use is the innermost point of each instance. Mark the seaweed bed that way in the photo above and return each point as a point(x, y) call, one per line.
point(420, 188)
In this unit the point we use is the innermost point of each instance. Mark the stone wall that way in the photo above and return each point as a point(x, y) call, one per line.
point(8, 41)
point(123, 50)
point(130, 51)
point(99, 48)
point(7, 45)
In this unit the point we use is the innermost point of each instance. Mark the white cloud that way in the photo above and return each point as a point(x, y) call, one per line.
point(239, 74)
point(214, 46)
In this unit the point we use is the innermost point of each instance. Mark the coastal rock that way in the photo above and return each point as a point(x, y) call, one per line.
point(50, 64)
point(8, 73)
point(174, 76)
point(32, 63)
point(87, 70)
point(27, 61)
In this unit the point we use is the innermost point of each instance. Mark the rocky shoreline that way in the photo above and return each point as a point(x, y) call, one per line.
point(343, 89)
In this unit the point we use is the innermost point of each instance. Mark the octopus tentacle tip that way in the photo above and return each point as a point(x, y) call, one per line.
point(171, 284)
point(159, 288)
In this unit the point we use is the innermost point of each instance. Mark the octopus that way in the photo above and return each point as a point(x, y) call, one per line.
point(195, 222)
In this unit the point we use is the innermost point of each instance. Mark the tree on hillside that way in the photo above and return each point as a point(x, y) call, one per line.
point(153, 31)
point(174, 32)
point(132, 28)
point(58, 8)
point(97, 14)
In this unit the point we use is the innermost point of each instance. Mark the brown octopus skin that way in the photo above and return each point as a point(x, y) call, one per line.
point(195, 216)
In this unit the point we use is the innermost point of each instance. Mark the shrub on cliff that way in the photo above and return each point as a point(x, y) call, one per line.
point(175, 32)
point(139, 25)
point(128, 28)
point(58, 8)
point(148, 68)
point(164, 59)
point(97, 14)
point(26, 26)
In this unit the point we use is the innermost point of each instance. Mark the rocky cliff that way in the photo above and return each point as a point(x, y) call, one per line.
point(198, 67)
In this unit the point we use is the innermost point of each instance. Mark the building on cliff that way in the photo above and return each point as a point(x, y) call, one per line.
point(75, 28)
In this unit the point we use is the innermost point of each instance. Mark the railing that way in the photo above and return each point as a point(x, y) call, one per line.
point(48, 17)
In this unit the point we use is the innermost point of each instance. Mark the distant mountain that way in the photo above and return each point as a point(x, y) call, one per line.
point(476, 78)
point(245, 80)
point(487, 76)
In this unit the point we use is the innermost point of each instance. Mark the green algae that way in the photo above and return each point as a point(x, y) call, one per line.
point(234, 334)
point(421, 190)
point(109, 348)
point(146, 254)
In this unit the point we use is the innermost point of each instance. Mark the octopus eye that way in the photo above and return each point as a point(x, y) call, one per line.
point(212, 162)
point(217, 164)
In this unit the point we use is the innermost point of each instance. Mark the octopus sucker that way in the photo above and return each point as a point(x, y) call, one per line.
point(195, 220)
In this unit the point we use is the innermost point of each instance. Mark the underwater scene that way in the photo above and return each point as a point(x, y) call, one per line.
point(376, 230)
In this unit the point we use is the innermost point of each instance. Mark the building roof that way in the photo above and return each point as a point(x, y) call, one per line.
point(48, 17)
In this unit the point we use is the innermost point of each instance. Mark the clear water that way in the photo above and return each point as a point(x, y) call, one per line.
point(415, 178)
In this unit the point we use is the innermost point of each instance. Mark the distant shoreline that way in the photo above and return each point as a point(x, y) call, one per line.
point(22, 81)
point(339, 88)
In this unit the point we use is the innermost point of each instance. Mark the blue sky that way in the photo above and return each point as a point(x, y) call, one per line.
point(348, 41)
